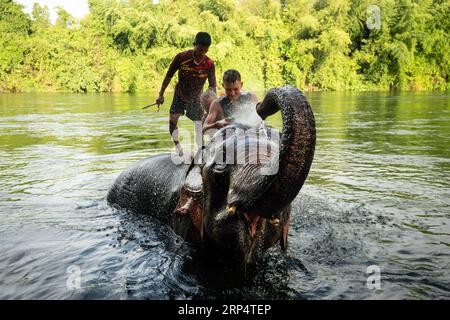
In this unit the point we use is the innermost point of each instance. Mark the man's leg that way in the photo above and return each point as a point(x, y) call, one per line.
point(194, 111)
point(173, 129)
point(198, 134)
point(198, 125)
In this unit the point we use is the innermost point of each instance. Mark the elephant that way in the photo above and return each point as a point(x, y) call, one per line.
point(230, 198)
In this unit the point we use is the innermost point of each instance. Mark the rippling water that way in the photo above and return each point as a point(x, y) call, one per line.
point(378, 194)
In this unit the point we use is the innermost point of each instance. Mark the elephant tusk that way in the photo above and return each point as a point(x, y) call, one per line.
point(275, 222)
point(232, 210)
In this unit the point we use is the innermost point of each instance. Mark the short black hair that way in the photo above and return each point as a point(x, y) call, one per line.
point(203, 39)
point(231, 76)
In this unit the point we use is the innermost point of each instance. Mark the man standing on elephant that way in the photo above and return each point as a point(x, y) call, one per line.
point(193, 68)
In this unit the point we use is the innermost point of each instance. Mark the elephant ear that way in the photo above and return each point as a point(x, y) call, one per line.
point(188, 217)
point(197, 218)
point(194, 184)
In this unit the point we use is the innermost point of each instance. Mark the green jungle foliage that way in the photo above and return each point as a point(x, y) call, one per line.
point(127, 46)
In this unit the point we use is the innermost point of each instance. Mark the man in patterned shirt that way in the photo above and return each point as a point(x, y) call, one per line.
point(193, 67)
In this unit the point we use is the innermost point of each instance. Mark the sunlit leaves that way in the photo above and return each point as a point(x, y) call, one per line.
point(313, 44)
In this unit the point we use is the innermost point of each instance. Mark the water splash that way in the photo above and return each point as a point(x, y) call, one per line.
point(262, 129)
point(246, 114)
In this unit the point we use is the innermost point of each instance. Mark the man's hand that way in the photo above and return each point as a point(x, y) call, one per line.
point(223, 123)
point(216, 125)
point(207, 127)
point(160, 100)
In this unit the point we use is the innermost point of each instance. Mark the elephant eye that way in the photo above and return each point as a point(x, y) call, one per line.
point(219, 167)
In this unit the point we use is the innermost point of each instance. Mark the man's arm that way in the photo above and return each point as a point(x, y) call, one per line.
point(172, 69)
point(215, 113)
point(212, 78)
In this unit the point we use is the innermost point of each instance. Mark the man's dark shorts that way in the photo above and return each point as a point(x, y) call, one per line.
point(192, 109)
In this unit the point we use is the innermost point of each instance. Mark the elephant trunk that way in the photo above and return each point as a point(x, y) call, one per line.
point(296, 153)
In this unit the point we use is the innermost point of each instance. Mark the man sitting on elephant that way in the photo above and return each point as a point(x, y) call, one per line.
point(223, 111)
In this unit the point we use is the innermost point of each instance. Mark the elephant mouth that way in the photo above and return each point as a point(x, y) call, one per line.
point(252, 220)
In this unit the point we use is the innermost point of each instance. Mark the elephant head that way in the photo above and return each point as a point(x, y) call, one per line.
point(238, 198)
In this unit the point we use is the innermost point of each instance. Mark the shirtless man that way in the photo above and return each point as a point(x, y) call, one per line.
point(222, 110)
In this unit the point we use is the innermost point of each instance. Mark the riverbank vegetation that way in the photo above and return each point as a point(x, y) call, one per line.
point(126, 46)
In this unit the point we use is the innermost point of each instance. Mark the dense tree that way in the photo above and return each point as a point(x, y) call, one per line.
point(41, 17)
point(15, 29)
point(314, 44)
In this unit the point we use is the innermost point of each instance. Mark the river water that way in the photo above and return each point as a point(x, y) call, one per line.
point(376, 202)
